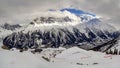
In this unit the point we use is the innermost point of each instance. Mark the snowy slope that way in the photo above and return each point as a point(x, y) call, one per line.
point(69, 58)
point(7, 29)
point(4, 33)
point(15, 59)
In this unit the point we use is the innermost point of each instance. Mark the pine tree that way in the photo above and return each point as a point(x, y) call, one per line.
point(110, 52)
point(119, 52)
point(107, 52)
point(115, 51)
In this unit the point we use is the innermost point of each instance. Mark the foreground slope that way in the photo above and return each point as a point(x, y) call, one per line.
point(69, 58)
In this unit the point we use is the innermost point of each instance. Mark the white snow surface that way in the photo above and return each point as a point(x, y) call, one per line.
point(65, 58)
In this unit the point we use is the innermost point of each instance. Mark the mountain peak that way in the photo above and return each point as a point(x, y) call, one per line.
point(84, 15)
point(76, 11)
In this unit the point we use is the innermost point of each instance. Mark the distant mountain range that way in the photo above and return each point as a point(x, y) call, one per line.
point(10, 26)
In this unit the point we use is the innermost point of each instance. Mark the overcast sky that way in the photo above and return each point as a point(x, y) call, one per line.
point(19, 11)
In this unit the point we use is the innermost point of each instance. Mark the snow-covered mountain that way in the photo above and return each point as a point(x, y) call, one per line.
point(85, 16)
point(63, 29)
point(7, 29)
point(10, 26)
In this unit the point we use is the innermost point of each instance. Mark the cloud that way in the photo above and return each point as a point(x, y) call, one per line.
point(19, 10)
point(108, 9)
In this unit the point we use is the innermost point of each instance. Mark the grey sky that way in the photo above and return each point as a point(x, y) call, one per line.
point(17, 11)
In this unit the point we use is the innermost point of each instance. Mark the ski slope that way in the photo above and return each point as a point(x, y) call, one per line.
point(65, 58)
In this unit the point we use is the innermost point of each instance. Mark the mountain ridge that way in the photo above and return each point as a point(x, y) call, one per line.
point(47, 33)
